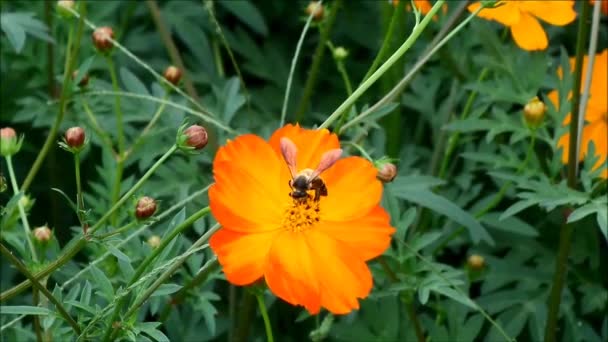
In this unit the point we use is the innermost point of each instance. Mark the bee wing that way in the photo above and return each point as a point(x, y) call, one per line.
point(327, 160)
point(289, 152)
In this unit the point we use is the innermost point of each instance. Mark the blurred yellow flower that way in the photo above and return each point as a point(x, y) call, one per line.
point(596, 115)
point(521, 17)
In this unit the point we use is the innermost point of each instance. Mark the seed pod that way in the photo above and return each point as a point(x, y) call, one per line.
point(476, 262)
point(64, 6)
point(386, 172)
point(146, 207)
point(9, 143)
point(173, 74)
point(154, 241)
point(42, 234)
point(534, 112)
point(197, 136)
point(101, 38)
point(315, 9)
point(74, 137)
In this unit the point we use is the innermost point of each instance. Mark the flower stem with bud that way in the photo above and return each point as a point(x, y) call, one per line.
point(73, 47)
point(26, 225)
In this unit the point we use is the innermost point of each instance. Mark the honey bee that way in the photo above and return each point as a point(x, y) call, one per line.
point(303, 181)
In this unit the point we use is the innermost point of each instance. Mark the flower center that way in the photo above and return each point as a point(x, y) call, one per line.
point(301, 214)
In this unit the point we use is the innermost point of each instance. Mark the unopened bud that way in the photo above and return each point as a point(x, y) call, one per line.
point(42, 234)
point(101, 38)
point(197, 137)
point(64, 7)
point(173, 74)
point(476, 262)
point(84, 81)
point(386, 172)
point(534, 112)
point(316, 9)
point(74, 137)
point(9, 143)
point(154, 241)
point(146, 207)
point(340, 53)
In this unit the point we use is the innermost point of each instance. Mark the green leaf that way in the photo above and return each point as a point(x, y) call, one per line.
point(471, 125)
point(515, 208)
point(118, 254)
point(248, 14)
point(132, 83)
point(16, 25)
point(102, 282)
point(445, 207)
point(510, 224)
point(166, 289)
point(25, 310)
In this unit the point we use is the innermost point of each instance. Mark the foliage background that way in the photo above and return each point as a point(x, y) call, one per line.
point(428, 260)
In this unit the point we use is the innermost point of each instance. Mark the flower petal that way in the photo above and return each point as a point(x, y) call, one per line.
point(598, 133)
point(343, 276)
point(368, 236)
point(290, 271)
point(507, 13)
point(242, 256)
point(557, 13)
point(564, 143)
point(529, 34)
point(246, 195)
point(311, 144)
point(352, 188)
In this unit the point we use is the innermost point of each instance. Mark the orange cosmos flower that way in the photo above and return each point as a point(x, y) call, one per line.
point(310, 253)
point(596, 116)
point(522, 18)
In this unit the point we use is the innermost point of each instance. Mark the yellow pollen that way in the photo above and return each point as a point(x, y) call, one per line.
point(301, 215)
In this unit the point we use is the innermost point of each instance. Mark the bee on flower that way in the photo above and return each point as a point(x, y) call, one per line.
point(300, 216)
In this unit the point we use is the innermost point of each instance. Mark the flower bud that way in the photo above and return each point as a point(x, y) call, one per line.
point(340, 53)
point(315, 9)
point(197, 136)
point(173, 74)
point(146, 207)
point(534, 112)
point(74, 137)
point(101, 38)
point(476, 262)
point(42, 234)
point(9, 143)
point(84, 81)
point(154, 241)
point(64, 6)
point(386, 172)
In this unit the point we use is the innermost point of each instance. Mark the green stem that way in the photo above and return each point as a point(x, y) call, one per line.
point(37, 328)
point(71, 53)
point(455, 137)
point(121, 136)
point(23, 269)
point(77, 245)
point(24, 221)
point(566, 231)
point(293, 65)
point(260, 298)
point(386, 43)
point(156, 252)
point(384, 67)
point(349, 90)
point(149, 126)
point(117, 231)
point(79, 195)
point(311, 81)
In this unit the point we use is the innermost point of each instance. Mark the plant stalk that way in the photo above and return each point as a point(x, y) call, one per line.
point(262, 306)
point(384, 67)
point(566, 230)
point(23, 269)
point(311, 81)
